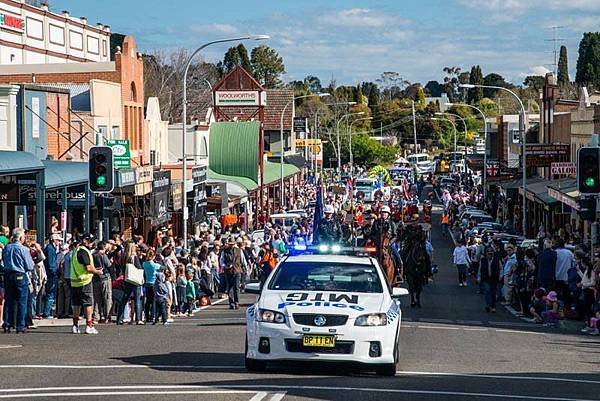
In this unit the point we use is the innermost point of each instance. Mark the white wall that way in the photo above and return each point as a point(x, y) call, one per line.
point(8, 117)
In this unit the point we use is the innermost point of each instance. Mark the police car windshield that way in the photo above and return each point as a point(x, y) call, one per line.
point(326, 276)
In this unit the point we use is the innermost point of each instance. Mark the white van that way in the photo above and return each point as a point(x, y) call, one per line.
point(285, 220)
point(367, 186)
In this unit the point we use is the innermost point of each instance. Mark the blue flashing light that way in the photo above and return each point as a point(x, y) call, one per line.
point(300, 247)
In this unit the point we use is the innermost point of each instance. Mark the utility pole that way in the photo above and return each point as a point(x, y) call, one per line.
point(555, 41)
point(414, 125)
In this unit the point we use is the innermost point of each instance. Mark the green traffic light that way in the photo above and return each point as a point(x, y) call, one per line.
point(101, 180)
point(590, 182)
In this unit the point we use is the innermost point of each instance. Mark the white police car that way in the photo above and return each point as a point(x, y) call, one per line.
point(334, 308)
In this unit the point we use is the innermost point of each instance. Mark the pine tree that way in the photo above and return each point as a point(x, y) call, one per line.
point(563, 67)
point(475, 95)
point(588, 63)
point(359, 94)
point(421, 98)
point(244, 59)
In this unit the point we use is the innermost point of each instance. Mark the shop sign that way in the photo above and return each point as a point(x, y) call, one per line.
point(300, 124)
point(567, 168)
point(544, 154)
point(199, 174)
point(76, 196)
point(144, 174)
point(564, 199)
point(301, 143)
point(177, 196)
point(12, 22)
point(9, 193)
point(125, 178)
point(160, 194)
point(238, 98)
point(121, 153)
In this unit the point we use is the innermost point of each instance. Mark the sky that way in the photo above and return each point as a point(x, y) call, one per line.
point(353, 41)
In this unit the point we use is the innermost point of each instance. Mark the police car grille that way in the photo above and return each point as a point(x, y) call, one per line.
point(308, 319)
point(341, 347)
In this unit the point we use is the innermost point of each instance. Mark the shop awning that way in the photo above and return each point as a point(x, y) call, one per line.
point(243, 182)
point(12, 162)
point(539, 191)
point(296, 159)
point(565, 191)
point(60, 174)
point(272, 171)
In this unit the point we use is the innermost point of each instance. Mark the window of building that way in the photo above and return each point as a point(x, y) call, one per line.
point(115, 132)
point(132, 93)
point(103, 129)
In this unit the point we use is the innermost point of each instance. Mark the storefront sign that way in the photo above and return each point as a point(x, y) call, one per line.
point(567, 168)
point(200, 202)
point(544, 154)
point(199, 174)
point(238, 98)
point(76, 196)
point(144, 177)
point(125, 178)
point(559, 196)
point(300, 143)
point(177, 196)
point(9, 193)
point(12, 22)
point(300, 124)
point(122, 155)
point(160, 195)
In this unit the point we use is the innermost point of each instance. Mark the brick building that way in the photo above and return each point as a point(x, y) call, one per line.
point(126, 69)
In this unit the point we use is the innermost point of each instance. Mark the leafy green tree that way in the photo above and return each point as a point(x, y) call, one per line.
point(421, 98)
point(434, 88)
point(300, 88)
point(313, 83)
point(535, 82)
point(371, 90)
point(588, 63)
point(563, 67)
point(494, 79)
point(359, 96)
point(267, 66)
point(451, 82)
point(244, 60)
point(232, 59)
point(489, 107)
point(474, 95)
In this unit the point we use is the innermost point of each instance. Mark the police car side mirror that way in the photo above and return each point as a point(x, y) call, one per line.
point(398, 292)
point(252, 288)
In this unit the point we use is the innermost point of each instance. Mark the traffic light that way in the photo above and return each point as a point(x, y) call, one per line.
point(101, 169)
point(588, 170)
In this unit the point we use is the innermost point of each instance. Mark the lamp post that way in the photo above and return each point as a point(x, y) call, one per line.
point(465, 127)
point(523, 144)
point(184, 122)
point(455, 135)
point(360, 113)
point(485, 134)
point(281, 186)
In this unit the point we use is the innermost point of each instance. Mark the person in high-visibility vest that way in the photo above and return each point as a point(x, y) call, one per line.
point(445, 223)
point(82, 293)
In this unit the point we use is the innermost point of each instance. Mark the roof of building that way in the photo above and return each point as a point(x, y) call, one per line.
point(233, 149)
point(80, 95)
point(276, 101)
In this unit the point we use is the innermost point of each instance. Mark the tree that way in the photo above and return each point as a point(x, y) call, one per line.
point(392, 84)
point(421, 98)
point(494, 79)
point(360, 97)
point(563, 67)
point(231, 59)
point(451, 82)
point(434, 88)
point(313, 83)
point(588, 63)
point(243, 57)
point(474, 95)
point(535, 82)
point(267, 66)
point(371, 91)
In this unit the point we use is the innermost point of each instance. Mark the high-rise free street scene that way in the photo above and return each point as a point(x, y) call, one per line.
point(261, 200)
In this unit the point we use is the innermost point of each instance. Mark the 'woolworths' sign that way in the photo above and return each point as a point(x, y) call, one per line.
point(238, 98)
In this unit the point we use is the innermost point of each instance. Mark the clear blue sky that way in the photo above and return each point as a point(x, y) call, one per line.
point(354, 41)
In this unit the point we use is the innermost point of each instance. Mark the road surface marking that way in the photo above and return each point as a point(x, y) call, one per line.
point(9, 346)
point(245, 389)
point(492, 376)
point(259, 396)
point(278, 396)
point(138, 366)
point(439, 327)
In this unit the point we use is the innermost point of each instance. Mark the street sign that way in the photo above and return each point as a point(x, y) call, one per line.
point(121, 153)
point(300, 124)
point(566, 168)
point(544, 154)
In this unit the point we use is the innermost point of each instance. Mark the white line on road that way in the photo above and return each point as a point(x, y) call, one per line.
point(259, 396)
point(278, 396)
point(198, 389)
point(139, 366)
point(493, 376)
point(439, 327)
point(9, 346)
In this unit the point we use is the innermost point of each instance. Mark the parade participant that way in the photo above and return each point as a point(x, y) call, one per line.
point(416, 261)
point(234, 263)
point(330, 229)
point(381, 235)
point(82, 292)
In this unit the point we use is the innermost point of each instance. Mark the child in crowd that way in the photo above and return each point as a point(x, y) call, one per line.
point(171, 298)
point(190, 293)
point(538, 306)
point(551, 315)
point(161, 295)
point(181, 287)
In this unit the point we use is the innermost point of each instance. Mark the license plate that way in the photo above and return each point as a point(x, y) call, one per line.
point(318, 341)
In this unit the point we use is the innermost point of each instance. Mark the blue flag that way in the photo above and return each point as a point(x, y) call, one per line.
point(318, 215)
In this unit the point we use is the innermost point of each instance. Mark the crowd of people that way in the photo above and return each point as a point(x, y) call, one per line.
point(552, 279)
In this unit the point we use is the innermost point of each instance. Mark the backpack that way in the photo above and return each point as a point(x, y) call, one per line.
point(228, 257)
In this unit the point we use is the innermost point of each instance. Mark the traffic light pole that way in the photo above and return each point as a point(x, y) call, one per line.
point(99, 198)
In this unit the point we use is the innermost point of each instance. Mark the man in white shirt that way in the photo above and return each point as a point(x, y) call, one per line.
point(564, 261)
point(462, 262)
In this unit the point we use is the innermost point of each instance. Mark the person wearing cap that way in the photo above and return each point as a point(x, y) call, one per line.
point(82, 292)
point(50, 264)
point(330, 229)
point(383, 227)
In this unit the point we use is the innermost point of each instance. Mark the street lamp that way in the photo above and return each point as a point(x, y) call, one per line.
point(455, 134)
point(523, 144)
point(464, 125)
point(339, 148)
point(184, 122)
point(281, 138)
point(350, 136)
point(485, 134)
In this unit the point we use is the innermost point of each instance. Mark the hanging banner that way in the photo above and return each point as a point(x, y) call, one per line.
point(160, 195)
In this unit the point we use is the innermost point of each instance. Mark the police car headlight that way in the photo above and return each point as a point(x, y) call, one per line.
point(323, 248)
point(269, 316)
point(374, 319)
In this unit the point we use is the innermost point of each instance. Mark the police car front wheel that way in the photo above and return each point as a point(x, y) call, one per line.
point(253, 365)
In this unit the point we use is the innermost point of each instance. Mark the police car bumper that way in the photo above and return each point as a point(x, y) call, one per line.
point(284, 341)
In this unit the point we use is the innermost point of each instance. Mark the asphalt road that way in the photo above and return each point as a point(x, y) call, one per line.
point(451, 349)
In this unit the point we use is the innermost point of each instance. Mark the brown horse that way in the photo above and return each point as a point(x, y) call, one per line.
point(385, 259)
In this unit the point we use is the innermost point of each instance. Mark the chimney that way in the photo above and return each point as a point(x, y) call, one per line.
point(83, 20)
point(107, 28)
point(65, 14)
point(44, 6)
point(99, 25)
